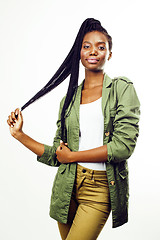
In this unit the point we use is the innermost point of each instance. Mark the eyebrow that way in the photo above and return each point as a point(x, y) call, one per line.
point(102, 42)
point(99, 42)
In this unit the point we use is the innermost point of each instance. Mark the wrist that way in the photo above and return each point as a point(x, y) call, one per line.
point(73, 157)
point(18, 135)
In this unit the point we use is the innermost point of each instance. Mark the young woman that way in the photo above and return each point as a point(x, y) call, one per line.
point(96, 133)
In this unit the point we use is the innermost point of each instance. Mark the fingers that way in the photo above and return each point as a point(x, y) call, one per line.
point(62, 143)
point(61, 146)
point(57, 149)
point(13, 117)
point(9, 123)
point(18, 113)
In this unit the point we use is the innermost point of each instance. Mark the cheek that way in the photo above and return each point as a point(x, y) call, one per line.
point(104, 56)
point(82, 54)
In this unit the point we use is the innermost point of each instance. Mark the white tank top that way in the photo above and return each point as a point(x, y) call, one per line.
point(92, 129)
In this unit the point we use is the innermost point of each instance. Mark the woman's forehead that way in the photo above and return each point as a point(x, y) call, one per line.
point(95, 36)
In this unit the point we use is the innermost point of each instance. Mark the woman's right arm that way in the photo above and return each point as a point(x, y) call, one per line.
point(15, 122)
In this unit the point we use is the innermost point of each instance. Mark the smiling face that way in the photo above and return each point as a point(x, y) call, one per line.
point(95, 51)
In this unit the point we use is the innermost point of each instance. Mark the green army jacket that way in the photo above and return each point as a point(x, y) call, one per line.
point(120, 106)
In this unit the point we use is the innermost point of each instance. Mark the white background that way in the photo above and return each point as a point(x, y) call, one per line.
point(35, 37)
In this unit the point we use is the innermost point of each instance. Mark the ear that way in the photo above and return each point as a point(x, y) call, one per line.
point(110, 55)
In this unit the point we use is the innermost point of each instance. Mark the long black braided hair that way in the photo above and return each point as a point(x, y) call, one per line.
point(70, 66)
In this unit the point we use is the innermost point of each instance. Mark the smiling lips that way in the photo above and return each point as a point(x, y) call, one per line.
point(92, 60)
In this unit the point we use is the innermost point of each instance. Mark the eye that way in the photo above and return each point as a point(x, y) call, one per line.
point(86, 46)
point(102, 48)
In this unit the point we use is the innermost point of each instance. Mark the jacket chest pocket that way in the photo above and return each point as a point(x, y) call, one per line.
point(112, 118)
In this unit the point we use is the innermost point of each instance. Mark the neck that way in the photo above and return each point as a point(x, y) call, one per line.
point(93, 79)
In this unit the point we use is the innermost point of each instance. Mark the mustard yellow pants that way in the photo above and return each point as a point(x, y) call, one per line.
point(89, 208)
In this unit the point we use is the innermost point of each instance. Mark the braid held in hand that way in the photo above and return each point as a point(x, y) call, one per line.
point(70, 66)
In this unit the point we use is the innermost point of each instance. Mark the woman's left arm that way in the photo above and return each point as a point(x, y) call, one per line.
point(126, 122)
point(64, 155)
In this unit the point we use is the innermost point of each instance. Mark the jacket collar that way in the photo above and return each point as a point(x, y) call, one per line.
point(107, 82)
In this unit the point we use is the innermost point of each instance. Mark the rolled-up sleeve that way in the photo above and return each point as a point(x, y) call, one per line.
point(125, 124)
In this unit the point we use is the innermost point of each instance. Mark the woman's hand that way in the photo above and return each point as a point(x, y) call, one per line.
point(63, 153)
point(15, 122)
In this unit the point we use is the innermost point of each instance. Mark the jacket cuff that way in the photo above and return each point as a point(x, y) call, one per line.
point(46, 155)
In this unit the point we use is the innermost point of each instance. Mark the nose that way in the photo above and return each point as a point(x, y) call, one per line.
point(93, 51)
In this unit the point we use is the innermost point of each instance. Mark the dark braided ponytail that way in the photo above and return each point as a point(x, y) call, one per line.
point(70, 66)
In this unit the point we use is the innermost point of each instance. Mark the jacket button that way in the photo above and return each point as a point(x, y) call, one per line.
point(107, 134)
point(84, 170)
point(112, 183)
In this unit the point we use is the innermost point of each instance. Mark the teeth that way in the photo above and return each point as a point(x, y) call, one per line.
point(92, 60)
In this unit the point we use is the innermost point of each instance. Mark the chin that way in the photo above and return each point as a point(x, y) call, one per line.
point(94, 70)
point(93, 67)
